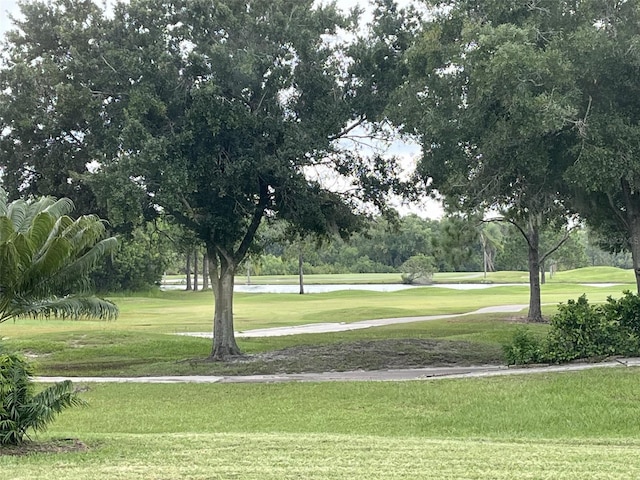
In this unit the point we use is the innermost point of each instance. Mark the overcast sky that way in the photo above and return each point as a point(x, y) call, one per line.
point(6, 7)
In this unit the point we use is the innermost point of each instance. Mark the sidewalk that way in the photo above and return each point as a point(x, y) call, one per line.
point(431, 373)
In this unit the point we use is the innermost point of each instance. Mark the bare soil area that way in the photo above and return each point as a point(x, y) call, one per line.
point(364, 355)
point(64, 445)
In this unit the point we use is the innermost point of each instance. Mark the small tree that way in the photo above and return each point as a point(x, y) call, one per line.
point(45, 255)
point(21, 409)
point(418, 269)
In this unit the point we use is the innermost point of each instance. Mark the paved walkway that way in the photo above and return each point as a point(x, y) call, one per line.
point(344, 327)
point(431, 373)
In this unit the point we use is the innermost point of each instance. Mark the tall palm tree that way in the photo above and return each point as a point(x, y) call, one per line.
point(45, 257)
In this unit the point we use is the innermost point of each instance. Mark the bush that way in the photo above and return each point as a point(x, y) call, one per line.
point(626, 311)
point(418, 269)
point(524, 348)
point(580, 330)
point(20, 409)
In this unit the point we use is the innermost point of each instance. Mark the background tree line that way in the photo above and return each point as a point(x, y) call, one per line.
point(384, 245)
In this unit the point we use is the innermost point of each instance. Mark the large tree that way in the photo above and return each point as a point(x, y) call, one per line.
point(215, 112)
point(606, 172)
point(490, 95)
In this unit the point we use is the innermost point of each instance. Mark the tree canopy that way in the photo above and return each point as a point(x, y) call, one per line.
point(212, 113)
point(605, 176)
point(490, 94)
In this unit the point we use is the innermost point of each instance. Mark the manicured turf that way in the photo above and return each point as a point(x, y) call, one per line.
point(176, 311)
point(142, 340)
point(569, 426)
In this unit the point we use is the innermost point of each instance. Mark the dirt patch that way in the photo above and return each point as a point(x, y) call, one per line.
point(366, 355)
point(64, 445)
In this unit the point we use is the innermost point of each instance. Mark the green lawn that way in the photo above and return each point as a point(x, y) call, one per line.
point(178, 311)
point(570, 426)
point(142, 340)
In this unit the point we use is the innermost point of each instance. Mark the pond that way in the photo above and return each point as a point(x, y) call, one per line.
point(242, 288)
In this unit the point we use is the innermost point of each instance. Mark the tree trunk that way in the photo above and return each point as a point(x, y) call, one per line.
point(634, 227)
point(195, 270)
point(187, 270)
point(632, 205)
point(301, 273)
point(222, 272)
point(205, 272)
point(543, 274)
point(535, 309)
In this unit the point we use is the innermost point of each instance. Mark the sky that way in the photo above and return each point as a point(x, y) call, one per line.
point(408, 152)
point(6, 6)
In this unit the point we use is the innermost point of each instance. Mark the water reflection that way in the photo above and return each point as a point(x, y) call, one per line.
point(334, 288)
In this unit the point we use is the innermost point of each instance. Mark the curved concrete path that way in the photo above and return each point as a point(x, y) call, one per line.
point(430, 373)
point(344, 327)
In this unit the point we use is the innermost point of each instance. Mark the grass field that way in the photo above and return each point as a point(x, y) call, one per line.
point(569, 426)
point(563, 426)
point(142, 340)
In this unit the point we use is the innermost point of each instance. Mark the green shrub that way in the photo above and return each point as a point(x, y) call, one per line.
point(524, 348)
point(21, 409)
point(626, 311)
point(581, 330)
point(418, 269)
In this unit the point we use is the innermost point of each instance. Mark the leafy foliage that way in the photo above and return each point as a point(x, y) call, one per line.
point(137, 265)
point(582, 330)
point(524, 348)
point(21, 409)
point(491, 99)
point(213, 112)
point(605, 176)
point(45, 257)
point(418, 269)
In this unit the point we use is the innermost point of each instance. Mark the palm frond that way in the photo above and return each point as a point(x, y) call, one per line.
point(40, 228)
point(4, 198)
point(44, 254)
point(7, 229)
point(17, 212)
point(51, 401)
point(84, 264)
point(73, 307)
point(58, 208)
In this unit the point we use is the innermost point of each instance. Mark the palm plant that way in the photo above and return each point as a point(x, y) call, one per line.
point(21, 409)
point(45, 257)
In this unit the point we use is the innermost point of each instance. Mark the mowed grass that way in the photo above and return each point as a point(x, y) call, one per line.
point(569, 426)
point(572, 426)
point(178, 311)
point(143, 341)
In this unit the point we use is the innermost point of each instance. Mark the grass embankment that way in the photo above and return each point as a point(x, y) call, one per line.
point(142, 340)
point(562, 426)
